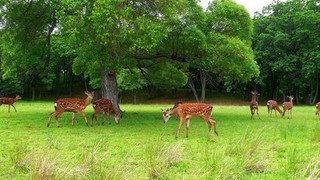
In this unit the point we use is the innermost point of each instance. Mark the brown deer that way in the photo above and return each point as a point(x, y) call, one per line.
point(254, 107)
point(287, 106)
point(318, 109)
point(73, 105)
point(187, 110)
point(9, 101)
point(273, 105)
point(106, 107)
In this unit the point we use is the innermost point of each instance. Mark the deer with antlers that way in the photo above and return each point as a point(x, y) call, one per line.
point(74, 105)
point(187, 110)
point(106, 107)
point(9, 101)
point(318, 109)
point(287, 106)
point(254, 107)
point(273, 105)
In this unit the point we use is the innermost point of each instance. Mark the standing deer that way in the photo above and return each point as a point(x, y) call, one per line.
point(106, 107)
point(273, 105)
point(73, 105)
point(9, 101)
point(318, 109)
point(254, 107)
point(187, 110)
point(287, 106)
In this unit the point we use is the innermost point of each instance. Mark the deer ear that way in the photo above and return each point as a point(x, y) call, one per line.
point(162, 110)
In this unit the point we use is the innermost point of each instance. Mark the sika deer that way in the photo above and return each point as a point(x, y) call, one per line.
point(106, 107)
point(318, 109)
point(287, 106)
point(187, 110)
point(273, 105)
point(9, 101)
point(254, 107)
point(73, 105)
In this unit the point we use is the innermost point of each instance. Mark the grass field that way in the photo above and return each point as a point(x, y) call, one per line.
point(143, 147)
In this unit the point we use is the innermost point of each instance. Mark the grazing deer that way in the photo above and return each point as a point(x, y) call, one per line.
point(73, 105)
point(187, 110)
point(106, 107)
point(273, 105)
point(254, 107)
point(9, 101)
point(287, 106)
point(318, 109)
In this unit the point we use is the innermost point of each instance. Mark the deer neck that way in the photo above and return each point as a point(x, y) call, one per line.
point(88, 100)
point(173, 111)
point(254, 98)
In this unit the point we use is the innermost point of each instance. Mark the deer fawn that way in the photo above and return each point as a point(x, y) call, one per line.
point(287, 106)
point(9, 101)
point(106, 107)
point(73, 105)
point(187, 110)
point(318, 109)
point(273, 105)
point(254, 107)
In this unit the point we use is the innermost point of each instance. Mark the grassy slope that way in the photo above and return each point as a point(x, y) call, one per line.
point(143, 147)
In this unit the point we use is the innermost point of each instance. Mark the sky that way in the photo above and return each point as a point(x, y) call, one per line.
point(251, 5)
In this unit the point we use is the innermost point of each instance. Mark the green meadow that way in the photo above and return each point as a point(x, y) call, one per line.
point(143, 147)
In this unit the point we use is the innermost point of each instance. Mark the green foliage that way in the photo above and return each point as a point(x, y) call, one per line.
point(286, 46)
point(130, 80)
point(166, 76)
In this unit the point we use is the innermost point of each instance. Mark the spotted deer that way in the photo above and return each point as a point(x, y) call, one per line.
point(273, 105)
point(187, 110)
point(9, 101)
point(287, 106)
point(73, 105)
point(318, 109)
point(254, 107)
point(106, 107)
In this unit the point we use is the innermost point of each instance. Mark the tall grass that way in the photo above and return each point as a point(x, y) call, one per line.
point(142, 147)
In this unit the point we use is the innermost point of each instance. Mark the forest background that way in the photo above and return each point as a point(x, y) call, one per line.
point(168, 48)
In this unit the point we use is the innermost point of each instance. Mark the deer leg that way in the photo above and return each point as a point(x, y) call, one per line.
point(179, 127)
point(258, 112)
point(187, 127)
point(9, 108)
point(50, 115)
point(13, 107)
point(84, 116)
point(93, 117)
point(57, 117)
point(104, 117)
point(252, 113)
point(109, 119)
point(73, 117)
point(214, 122)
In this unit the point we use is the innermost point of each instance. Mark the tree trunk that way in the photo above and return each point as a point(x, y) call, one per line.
point(135, 97)
point(109, 87)
point(33, 93)
point(203, 80)
point(193, 88)
point(316, 93)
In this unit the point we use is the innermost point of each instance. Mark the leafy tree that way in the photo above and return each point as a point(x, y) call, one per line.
point(26, 40)
point(286, 45)
point(131, 80)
